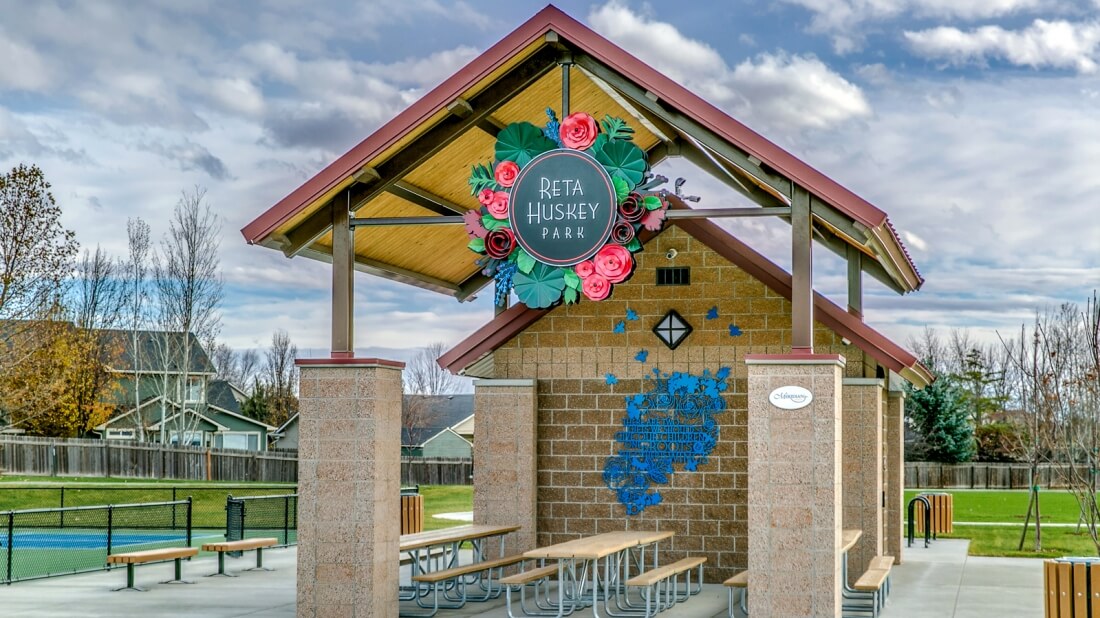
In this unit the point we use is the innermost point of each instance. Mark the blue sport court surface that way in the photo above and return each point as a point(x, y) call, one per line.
point(97, 539)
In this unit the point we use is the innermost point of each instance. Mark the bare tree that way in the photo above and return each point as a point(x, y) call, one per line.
point(237, 368)
point(423, 378)
point(136, 277)
point(281, 378)
point(188, 286)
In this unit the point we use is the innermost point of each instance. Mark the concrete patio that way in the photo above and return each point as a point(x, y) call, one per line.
point(940, 581)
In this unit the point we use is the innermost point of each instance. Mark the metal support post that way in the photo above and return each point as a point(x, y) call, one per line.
point(802, 290)
point(343, 283)
point(855, 281)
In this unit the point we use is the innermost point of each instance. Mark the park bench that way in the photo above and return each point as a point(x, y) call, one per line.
point(663, 582)
point(243, 545)
point(445, 578)
point(152, 555)
point(519, 581)
point(740, 583)
point(873, 586)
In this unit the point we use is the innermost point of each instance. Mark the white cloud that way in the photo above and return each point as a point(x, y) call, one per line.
point(237, 95)
point(844, 19)
point(22, 68)
point(776, 90)
point(1056, 44)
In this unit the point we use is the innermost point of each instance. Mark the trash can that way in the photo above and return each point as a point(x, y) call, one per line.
point(412, 511)
point(1072, 587)
point(943, 513)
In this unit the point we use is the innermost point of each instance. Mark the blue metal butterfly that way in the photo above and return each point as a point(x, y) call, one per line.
point(641, 356)
point(713, 313)
point(620, 327)
point(735, 331)
point(611, 379)
point(631, 315)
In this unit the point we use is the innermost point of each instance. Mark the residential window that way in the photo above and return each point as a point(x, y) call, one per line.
point(189, 438)
point(243, 440)
point(195, 390)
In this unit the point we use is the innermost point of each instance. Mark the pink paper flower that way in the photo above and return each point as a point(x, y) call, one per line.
point(614, 262)
point(498, 207)
point(505, 173)
point(474, 227)
point(578, 131)
point(499, 243)
point(631, 209)
point(485, 196)
point(585, 269)
point(654, 219)
point(623, 232)
point(596, 287)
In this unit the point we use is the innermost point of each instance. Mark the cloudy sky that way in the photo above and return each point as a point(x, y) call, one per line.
point(973, 123)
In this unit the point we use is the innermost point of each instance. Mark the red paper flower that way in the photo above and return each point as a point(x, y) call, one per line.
point(653, 219)
point(498, 207)
point(578, 131)
point(614, 262)
point(499, 243)
point(506, 173)
point(623, 232)
point(584, 269)
point(485, 196)
point(631, 209)
point(596, 287)
point(474, 227)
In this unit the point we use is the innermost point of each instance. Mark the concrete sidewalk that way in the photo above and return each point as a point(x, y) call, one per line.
point(943, 581)
point(938, 582)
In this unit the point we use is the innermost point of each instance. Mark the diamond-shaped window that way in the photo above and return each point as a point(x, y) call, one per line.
point(672, 329)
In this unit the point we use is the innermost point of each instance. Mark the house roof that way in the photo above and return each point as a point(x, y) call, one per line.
point(517, 318)
point(220, 393)
point(417, 164)
point(155, 346)
point(426, 416)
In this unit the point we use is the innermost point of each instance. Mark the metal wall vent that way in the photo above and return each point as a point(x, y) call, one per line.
point(674, 275)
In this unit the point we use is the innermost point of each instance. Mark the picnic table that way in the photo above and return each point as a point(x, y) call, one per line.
point(614, 550)
point(439, 549)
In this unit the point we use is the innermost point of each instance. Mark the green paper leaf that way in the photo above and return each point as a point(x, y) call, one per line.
point(492, 223)
point(651, 202)
point(597, 144)
point(634, 245)
point(623, 160)
point(541, 287)
point(616, 128)
point(621, 189)
point(477, 244)
point(570, 295)
point(572, 279)
point(481, 177)
point(524, 261)
point(521, 142)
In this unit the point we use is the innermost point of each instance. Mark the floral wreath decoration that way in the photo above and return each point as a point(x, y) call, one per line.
point(540, 285)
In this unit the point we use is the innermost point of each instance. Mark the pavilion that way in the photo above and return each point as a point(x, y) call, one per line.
point(773, 492)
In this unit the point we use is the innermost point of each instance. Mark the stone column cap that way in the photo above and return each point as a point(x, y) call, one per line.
point(491, 383)
point(794, 359)
point(879, 382)
point(349, 362)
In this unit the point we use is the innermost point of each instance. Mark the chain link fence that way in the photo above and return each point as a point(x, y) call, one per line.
point(38, 543)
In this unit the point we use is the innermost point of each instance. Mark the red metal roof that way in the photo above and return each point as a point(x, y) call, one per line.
point(576, 33)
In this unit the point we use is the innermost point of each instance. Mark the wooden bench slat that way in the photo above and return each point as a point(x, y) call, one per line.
point(871, 581)
point(653, 576)
point(883, 563)
point(436, 576)
point(242, 545)
point(741, 580)
point(151, 555)
point(527, 577)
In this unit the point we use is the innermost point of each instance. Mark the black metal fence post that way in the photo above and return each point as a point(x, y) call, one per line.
point(110, 526)
point(173, 510)
point(11, 542)
point(286, 520)
point(188, 520)
point(62, 506)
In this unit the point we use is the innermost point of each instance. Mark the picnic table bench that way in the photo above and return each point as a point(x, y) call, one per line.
point(152, 555)
point(242, 545)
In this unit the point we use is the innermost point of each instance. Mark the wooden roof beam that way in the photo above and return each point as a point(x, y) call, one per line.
point(461, 107)
point(389, 271)
point(872, 267)
point(424, 147)
point(425, 199)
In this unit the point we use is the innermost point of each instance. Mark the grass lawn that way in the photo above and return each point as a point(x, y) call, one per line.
point(1056, 506)
point(1004, 541)
point(445, 499)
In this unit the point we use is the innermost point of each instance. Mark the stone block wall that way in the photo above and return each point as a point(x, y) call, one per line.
point(571, 350)
point(862, 469)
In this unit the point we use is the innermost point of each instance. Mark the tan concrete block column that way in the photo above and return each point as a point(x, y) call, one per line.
point(349, 478)
point(862, 460)
point(794, 488)
point(505, 460)
point(894, 434)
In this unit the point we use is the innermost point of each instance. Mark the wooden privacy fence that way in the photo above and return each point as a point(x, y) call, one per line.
point(924, 475)
point(116, 458)
point(416, 471)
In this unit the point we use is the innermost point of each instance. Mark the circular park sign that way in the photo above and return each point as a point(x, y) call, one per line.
point(562, 207)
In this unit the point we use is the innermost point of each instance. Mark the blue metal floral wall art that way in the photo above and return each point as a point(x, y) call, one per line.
point(670, 424)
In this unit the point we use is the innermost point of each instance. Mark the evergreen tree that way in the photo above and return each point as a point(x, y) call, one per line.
point(939, 413)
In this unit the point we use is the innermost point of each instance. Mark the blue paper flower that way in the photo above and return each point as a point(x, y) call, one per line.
point(620, 327)
point(713, 313)
point(631, 315)
point(735, 331)
point(641, 356)
point(611, 379)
